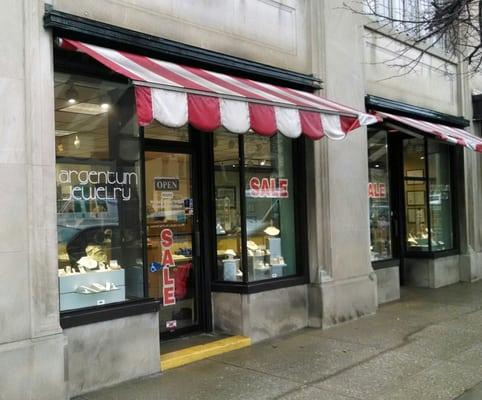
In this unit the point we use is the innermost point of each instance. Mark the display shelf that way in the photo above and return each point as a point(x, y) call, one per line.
point(71, 299)
point(100, 291)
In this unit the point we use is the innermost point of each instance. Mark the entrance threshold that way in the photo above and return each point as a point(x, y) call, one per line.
point(188, 355)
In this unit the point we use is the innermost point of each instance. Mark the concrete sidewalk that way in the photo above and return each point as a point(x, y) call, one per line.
point(427, 346)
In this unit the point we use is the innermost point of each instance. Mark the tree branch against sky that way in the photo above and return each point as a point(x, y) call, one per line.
point(453, 26)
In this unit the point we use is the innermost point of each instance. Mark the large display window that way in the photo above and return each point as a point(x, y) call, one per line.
point(100, 253)
point(410, 193)
point(428, 195)
point(255, 223)
point(379, 196)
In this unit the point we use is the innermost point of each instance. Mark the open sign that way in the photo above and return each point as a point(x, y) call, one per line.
point(166, 184)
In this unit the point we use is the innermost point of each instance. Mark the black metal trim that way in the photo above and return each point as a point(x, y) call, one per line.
point(432, 254)
point(91, 315)
point(427, 192)
point(107, 35)
point(301, 206)
point(143, 209)
point(408, 110)
point(259, 286)
point(381, 264)
point(242, 203)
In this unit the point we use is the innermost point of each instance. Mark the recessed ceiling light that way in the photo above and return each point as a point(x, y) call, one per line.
point(71, 94)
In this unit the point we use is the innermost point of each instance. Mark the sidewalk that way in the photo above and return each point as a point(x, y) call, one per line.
point(427, 346)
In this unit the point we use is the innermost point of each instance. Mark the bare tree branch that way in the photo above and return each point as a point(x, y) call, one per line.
point(453, 26)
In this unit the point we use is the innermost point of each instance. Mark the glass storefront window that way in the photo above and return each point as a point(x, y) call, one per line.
point(415, 178)
point(379, 196)
point(269, 207)
point(100, 257)
point(428, 216)
point(440, 199)
point(156, 131)
point(265, 165)
point(228, 206)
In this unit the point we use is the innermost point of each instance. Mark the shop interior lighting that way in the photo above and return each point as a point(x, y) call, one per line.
point(105, 103)
point(85, 108)
point(71, 94)
point(263, 162)
point(77, 142)
point(272, 231)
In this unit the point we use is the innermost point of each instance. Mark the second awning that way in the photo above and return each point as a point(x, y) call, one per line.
point(175, 95)
point(443, 132)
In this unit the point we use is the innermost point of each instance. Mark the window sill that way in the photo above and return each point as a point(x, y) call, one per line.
point(70, 319)
point(256, 287)
point(391, 262)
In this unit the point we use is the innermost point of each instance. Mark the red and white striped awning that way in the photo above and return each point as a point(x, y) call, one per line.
point(443, 132)
point(176, 94)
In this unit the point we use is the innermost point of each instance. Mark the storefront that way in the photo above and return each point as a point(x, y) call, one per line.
point(414, 195)
point(184, 186)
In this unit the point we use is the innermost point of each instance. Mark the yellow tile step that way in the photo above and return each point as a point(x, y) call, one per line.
point(200, 352)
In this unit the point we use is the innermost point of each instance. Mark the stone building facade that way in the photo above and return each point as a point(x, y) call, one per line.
point(43, 354)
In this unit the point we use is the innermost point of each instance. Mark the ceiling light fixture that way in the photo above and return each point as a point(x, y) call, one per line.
point(263, 162)
point(105, 102)
point(71, 94)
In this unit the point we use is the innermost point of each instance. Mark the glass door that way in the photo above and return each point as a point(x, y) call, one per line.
point(170, 227)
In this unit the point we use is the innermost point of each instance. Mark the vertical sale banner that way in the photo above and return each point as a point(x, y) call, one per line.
point(168, 283)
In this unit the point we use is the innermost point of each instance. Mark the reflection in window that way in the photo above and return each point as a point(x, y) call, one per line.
point(228, 206)
point(156, 131)
point(417, 235)
point(429, 222)
point(378, 194)
point(98, 205)
point(440, 196)
point(268, 198)
point(170, 214)
point(269, 207)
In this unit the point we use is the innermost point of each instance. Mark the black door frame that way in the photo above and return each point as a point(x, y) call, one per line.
point(200, 180)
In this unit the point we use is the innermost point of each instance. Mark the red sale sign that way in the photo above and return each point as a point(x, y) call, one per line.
point(376, 190)
point(168, 283)
point(273, 188)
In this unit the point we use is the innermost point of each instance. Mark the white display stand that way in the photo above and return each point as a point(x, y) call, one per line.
point(70, 299)
point(278, 270)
